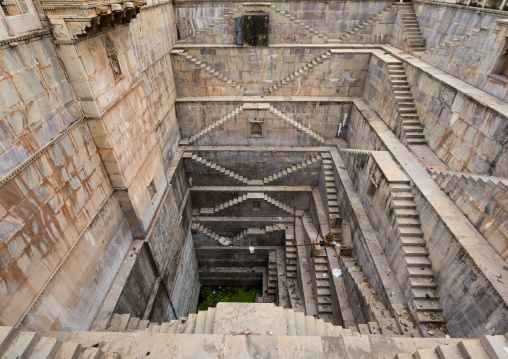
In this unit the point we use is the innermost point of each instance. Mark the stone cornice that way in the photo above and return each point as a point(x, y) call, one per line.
point(30, 36)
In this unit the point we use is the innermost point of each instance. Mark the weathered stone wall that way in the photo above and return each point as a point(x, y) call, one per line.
point(360, 134)
point(36, 100)
point(321, 117)
point(332, 19)
point(463, 133)
point(256, 69)
point(441, 22)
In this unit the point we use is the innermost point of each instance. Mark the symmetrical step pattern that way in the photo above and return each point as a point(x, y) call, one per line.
point(298, 324)
point(278, 204)
point(363, 25)
point(220, 169)
point(225, 241)
point(220, 122)
point(376, 309)
point(414, 37)
point(291, 256)
point(235, 12)
point(301, 72)
point(220, 207)
point(297, 125)
point(411, 126)
point(207, 68)
point(290, 170)
point(300, 23)
point(421, 278)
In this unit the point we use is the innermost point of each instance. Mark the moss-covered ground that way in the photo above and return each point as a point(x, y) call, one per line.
point(210, 295)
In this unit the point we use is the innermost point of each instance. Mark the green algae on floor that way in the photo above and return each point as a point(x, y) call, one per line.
point(210, 295)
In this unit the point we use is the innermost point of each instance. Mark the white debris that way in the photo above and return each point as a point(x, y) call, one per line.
point(251, 249)
point(225, 241)
point(337, 272)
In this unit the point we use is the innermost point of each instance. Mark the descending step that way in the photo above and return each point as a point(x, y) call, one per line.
point(220, 122)
point(207, 68)
point(233, 13)
point(272, 277)
point(278, 204)
point(363, 25)
point(414, 37)
point(322, 291)
point(411, 126)
point(454, 42)
point(372, 306)
point(228, 204)
point(301, 72)
point(220, 169)
point(297, 125)
point(300, 23)
point(225, 241)
point(292, 169)
point(425, 300)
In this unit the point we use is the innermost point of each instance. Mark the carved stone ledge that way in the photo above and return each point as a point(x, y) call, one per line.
point(73, 20)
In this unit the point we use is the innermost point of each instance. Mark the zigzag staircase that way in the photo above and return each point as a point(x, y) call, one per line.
point(225, 241)
point(300, 23)
point(207, 68)
point(302, 71)
point(278, 204)
point(231, 14)
point(285, 172)
point(218, 168)
point(218, 123)
point(415, 40)
point(411, 126)
point(220, 207)
point(297, 125)
point(363, 25)
point(423, 289)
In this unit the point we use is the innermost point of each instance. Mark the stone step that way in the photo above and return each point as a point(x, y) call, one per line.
point(431, 317)
point(412, 241)
point(403, 204)
point(411, 231)
point(415, 251)
point(427, 305)
point(69, 350)
point(46, 348)
point(408, 221)
point(423, 272)
point(210, 319)
point(22, 345)
point(424, 294)
point(418, 282)
point(472, 349)
point(414, 261)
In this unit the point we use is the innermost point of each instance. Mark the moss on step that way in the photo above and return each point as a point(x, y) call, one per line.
point(210, 295)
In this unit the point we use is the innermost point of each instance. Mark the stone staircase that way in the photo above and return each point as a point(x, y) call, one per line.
point(423, 289)
point(411, 127)
point(454, 42)
point(225, 241)
point(415, 40)
point(213, 166)
point(368, 300)
point(297, 125)
point(291, 256)
point(16, 344)
point(220, 122)
point(231, 203)
point(322, 289)
point(299, 23)
point(278, 204)
point(235, 12)
point(234, 330)
point(331, 192)
point(285, 172)
point(272, 277)
point(207, 68)
point(363, 25)
point(449, 180)
point(301, 72)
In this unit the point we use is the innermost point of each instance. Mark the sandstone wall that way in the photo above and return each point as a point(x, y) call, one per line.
point(36, 100)
point(440, 22)
point(463, 133)
point(256, 69)
point(331, 19)
point(472, 59)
